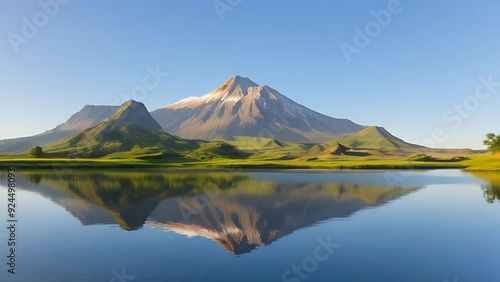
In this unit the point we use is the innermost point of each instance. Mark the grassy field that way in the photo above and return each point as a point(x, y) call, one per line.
point(115, 143)
point(74, 163)
point(471, 162)
point(483, 162)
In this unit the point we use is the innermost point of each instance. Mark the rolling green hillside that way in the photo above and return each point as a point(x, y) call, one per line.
point(132, 138)
point(117, 140)
point(371, 138)
point(254, 143)
point(132, 133)
point(268, 148)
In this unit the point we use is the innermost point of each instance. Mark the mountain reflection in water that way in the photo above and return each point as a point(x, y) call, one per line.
point(234, 209)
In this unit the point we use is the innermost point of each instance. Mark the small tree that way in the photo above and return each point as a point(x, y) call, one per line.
point(36, 152)
point(493, 142)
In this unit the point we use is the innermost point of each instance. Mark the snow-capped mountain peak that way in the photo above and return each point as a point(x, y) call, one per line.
point(232, 90)
point(235, 83)
point(239, 106)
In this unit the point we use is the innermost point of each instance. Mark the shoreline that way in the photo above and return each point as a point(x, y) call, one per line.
point(341, 165)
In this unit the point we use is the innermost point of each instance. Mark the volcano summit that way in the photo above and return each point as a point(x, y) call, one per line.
point(240, 107)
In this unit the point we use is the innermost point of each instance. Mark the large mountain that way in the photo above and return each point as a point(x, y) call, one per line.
point(240, 107)
point(87, 117)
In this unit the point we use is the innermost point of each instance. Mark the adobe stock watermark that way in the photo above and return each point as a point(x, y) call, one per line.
point(483, 91)
point(199, 202)
point(30, 28)
point(303, 271)
point(455, 115)
point(459, 112)
point(223, 6)
point(277, 124)
point(120, 277)
point(395, 178)
point(150, 82)
point(202, 199)
point(373, 28)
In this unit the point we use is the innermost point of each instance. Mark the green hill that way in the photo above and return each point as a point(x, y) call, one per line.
point(132, 133)
point(132, 112)
point(109, 140)
point(254, 143)
point(268, 148)
point(371, 138)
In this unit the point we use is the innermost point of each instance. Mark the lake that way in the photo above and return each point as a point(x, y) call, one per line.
point(244, 225)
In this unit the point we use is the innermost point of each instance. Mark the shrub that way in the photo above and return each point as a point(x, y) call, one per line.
point(36, 152)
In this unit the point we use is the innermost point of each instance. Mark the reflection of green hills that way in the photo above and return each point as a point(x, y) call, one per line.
point(129, 197)
point(491, 191)
point(233, 209)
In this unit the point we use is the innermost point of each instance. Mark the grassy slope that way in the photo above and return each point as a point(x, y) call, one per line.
point(269, 149)
point(128, 141)
point(372, 138)
point(131, 133)
point(115, 139)
point(483, 162)
point(162, 149)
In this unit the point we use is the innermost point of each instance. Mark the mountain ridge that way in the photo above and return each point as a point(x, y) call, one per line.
point(86, 117)
point(131, 132)
point(240, 112)
point(130, 128)
point(240, 107)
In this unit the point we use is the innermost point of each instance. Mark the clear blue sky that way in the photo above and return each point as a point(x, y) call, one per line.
point(426, 59)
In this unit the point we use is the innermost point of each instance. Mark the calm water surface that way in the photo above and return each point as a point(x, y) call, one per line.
point(437, 225)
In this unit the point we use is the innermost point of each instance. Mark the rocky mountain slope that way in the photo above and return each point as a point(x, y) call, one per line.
point(240, 107)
